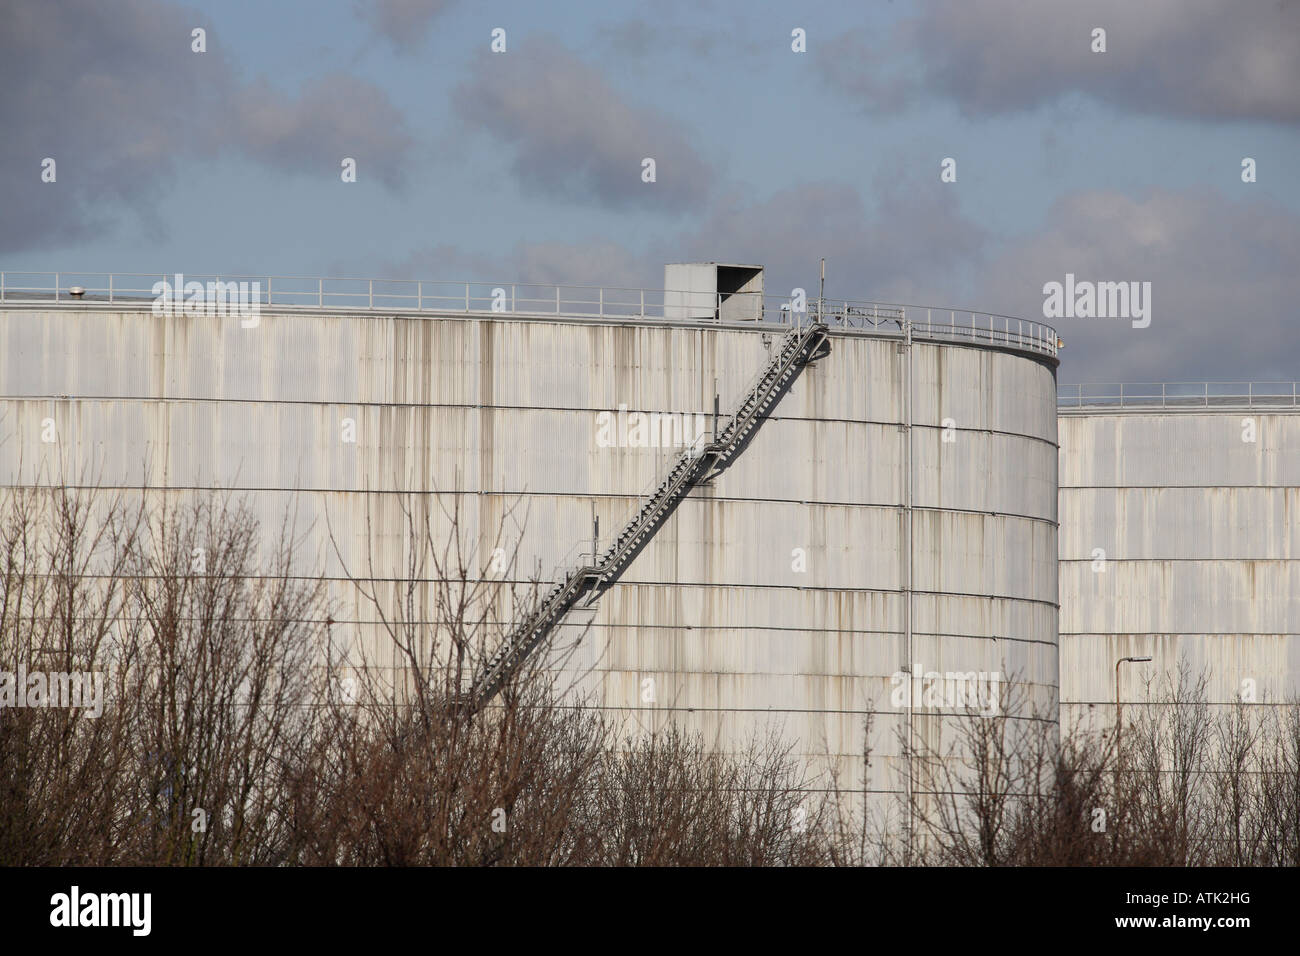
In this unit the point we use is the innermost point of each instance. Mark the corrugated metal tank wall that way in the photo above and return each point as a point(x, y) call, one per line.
point(1200, 531)
point(503, 412)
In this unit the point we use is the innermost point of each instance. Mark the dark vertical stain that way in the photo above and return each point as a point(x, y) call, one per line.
point(486, 396)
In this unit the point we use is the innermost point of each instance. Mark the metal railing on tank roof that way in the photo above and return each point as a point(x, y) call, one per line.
point(446, 297)
point(1104, 396)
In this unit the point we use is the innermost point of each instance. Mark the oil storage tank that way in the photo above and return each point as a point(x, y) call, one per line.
point(893, 512)
point(1179, 542)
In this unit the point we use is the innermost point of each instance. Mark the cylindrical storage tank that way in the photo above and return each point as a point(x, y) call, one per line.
point(774, 597)
point(1180, 541)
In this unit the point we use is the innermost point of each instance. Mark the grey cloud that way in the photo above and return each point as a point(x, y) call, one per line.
point(596, 262)
point(333, 117)
point(637, 38)
point(1224, 285)
point(572, 136)
point(631, 38)
point(908, 245)
point(404, 23)
point(1224, 282)
point(1223, 274)
point(869, 70)
point(1193, 58)
point(114, 94)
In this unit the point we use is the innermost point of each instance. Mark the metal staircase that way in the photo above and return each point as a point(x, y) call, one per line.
point(796, 348)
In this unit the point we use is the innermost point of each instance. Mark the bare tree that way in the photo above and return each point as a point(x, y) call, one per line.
point(237, 730)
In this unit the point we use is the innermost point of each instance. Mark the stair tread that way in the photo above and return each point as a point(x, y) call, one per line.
point(763, 396)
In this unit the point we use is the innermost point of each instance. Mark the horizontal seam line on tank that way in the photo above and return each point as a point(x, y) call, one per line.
point(216, 400)
point(691, 496)
point(880, 506)
point(841, 590)
point(1151, 559)
point(1265, 409)
point(900, 714)
point(605, 626)
point(898, 791)
point(867, 711)
point(875, 791)
point(1216, 635)
point(353, 622)
point(367, 579)
point(329, 579)
point(596, 625)
point(760, 628)
point(1181, 703)
point(1173, 487)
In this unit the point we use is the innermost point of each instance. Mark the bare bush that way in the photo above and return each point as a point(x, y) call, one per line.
point(229, 737)
point(207, 698)
point(1183, 785)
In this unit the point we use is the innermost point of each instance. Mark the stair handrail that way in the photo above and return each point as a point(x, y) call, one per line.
point(694, 450)
point(680, 471)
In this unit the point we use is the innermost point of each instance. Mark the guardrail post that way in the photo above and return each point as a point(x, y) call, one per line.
point(643, 303)
point(1163, 386)
point(601, 297)
point(1250, 394)
point(320, 293)
point(1207, 394)
point(372, 293)
point(56, 287)
point(268, 292)
point(110, 286)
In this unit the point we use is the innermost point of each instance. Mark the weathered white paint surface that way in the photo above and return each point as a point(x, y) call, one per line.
point(501, 411)
point(1201, 533)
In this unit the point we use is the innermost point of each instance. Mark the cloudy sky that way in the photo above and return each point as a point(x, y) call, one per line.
point(1123, 165)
